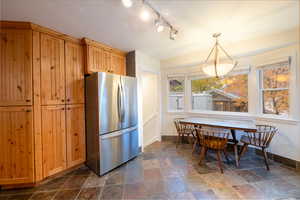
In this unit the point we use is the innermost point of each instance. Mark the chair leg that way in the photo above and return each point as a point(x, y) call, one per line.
point(243, 150)
point(219, 161)
point(202, 154)
point(266, 158)
point(226, 155)
point(194, 146)
point(178, 140)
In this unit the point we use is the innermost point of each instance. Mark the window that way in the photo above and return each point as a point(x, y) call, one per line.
point(274, 86)
point(176, 94)
point(227, 94)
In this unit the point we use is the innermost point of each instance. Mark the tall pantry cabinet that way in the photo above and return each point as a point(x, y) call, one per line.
point(41, 103)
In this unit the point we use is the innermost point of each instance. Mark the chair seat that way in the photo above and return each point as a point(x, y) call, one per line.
point(252, 141)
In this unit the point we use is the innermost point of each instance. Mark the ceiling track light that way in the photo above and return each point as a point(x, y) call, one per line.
point(173, 33)
point(160, 22)
point(127, 3)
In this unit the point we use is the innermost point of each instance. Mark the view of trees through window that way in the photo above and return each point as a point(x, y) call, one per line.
point(226, 94)
point(275, 89)
point(176, 94)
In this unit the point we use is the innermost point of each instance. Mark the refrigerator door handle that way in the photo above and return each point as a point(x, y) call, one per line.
point(122, 102)
point(119, 102)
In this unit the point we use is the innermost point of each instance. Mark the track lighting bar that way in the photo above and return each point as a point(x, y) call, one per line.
point(160, 22)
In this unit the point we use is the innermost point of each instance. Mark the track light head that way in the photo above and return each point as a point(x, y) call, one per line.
point(145, 14)
point(173, 33)
point(127, 3)
point(159, 25)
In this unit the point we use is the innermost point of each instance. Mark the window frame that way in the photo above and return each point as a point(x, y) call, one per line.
point(261, 88)
point(180, 77)
point(190, 93)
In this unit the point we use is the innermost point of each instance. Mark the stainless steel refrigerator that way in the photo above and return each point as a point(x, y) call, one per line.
point(111, 121)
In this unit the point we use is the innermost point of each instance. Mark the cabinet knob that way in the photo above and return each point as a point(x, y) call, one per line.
point(68, 100)
point(62, 100)
point(63, 109)
point(28, 100)
point(28, 110)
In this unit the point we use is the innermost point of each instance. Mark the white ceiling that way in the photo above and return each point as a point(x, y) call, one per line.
point(111, 23)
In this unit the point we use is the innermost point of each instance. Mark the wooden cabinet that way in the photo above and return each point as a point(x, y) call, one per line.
point(52, 70)
point(54, 139)
point(118, 64)
point(101, 58)
point(16, 145)
point(16, 67)
point(74, 73)
point(75, 135)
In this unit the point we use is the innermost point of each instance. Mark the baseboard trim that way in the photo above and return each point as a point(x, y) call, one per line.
point(277, 158)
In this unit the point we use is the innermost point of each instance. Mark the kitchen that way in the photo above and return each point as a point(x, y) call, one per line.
point(122, 107)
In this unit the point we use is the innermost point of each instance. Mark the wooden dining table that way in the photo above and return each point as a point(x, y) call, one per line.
point(232, 125)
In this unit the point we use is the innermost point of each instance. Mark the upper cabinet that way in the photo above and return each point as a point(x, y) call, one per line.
point(52, 70)
point(118, 64)
point(101, 58)
point(74, 73)
point(16, 67)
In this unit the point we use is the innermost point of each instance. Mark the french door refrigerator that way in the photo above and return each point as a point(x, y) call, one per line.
point(111, 121)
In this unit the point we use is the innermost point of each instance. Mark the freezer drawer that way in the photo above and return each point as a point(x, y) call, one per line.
point(118, 147)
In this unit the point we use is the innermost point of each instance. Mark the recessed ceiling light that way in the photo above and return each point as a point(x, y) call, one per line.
point(127, 3)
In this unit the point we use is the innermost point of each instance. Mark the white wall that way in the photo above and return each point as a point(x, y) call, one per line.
point(287, 142)
point(146, 64)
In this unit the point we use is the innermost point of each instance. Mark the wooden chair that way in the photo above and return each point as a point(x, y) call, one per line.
point(183, 130)
point(214, 139)
point(261, 138)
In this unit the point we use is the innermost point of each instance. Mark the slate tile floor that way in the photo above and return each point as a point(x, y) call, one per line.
point(164, 172)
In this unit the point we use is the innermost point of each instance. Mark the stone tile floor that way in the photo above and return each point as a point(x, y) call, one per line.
point(164, 172)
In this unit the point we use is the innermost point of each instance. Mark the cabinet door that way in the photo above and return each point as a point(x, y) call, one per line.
point(54, 139)
point(75, 135)
point(107, 61)
point(16, 67)
point(94, 60)
point(118, 64)
point(74, 73)
point(52, 70)
point(16, 145)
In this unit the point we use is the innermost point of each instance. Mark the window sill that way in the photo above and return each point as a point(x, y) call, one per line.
point(239, 116)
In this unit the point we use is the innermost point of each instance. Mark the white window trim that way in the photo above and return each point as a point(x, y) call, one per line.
point(253, 111)
point(170, 77)
point(261, 89)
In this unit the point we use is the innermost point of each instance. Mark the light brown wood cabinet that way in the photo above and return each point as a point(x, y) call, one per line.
point(42, 123)
point(75, 135)
point(16, 67)
point(54, 139)
point(74, 73)
point(16, 145)
point(118, 64)
point(52, 70)
point(101, 58)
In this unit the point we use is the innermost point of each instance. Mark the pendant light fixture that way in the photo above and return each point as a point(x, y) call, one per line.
point(218, 62)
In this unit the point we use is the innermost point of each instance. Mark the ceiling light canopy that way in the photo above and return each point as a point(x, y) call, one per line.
point(127, 3)
point(218, 62)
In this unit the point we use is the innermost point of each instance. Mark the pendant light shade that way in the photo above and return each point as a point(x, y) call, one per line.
point(218, 62)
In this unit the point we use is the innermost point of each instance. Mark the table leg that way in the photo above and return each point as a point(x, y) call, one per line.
point(235, 146)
